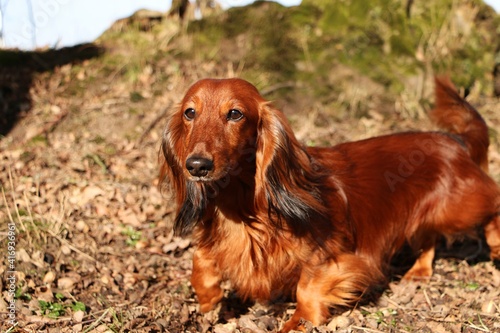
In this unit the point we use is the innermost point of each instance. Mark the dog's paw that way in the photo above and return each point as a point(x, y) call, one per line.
point(208, 301)
point(418, 273)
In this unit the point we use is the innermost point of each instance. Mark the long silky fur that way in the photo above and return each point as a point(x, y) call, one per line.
point(192, 210)
point(292, 181)
point(323, 223)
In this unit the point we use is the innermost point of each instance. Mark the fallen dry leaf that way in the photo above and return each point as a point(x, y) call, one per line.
point(177, 243)
point(66, 283)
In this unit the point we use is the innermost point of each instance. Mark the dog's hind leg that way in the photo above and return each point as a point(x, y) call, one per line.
point(339, 282)
point(492, 233)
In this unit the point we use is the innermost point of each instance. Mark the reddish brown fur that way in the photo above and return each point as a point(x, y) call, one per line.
point(320, 225)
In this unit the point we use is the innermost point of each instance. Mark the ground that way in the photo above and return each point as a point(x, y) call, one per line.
point(92, 232)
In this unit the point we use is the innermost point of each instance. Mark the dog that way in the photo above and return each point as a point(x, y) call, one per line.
point(318, 225)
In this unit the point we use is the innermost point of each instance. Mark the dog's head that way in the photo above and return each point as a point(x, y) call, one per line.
point(213, 127)
point(224, 131)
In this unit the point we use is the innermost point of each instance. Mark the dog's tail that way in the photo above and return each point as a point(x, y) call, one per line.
point(455, 115)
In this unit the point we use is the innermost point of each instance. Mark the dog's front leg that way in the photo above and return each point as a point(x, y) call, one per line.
point(206, 280)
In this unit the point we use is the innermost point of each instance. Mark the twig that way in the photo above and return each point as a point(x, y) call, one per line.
point(483, 327)
point(91, 327)
point(428, 299)
point(268, 90)
point(154, 122)
point(11, 328)
point(51, 125)
point(7, 206)
point(98, 160)
point(45, 320)
point(366, 329)
point(68, 244)
point(395, 304)
point(15, 207)
point(471, 325)
point(26, 201)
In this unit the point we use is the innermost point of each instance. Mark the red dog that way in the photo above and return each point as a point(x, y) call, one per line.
point(320, 225)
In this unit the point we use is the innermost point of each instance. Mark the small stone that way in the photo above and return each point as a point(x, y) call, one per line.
point(488, 307)
point(49, 277)
point(245, 322)
point(65, 250)
point(82, 226)
point(225, 328)
point(78, 316)
point(441, 310)
point(66, 283)
point(339, 322)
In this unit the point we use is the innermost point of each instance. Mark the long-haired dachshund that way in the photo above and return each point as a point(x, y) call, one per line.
point(318, 225)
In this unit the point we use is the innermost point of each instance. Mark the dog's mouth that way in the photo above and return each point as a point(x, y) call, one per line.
point(201, 179)
point(209, 185)
point(211, 177)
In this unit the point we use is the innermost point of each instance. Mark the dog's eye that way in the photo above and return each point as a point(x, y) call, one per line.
point(189, 113)
point(234, 115)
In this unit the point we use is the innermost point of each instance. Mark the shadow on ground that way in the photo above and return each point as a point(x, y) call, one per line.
point(17, 71)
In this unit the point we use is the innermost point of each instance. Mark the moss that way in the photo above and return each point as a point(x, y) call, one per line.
point(39, 140)
point(136, 97)
point(260, 35)
point(306, 43)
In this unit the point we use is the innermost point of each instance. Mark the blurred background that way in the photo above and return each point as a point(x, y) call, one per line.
point(31, 24)
point(85, 89)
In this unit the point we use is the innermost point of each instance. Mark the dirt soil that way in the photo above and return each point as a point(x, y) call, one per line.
point(93, 241)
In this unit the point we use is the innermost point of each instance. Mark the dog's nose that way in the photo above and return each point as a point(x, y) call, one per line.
point(199, 166)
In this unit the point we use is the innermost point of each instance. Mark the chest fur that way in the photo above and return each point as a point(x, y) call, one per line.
point(260, 265)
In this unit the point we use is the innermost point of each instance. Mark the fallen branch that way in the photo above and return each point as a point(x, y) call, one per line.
point(155, 121)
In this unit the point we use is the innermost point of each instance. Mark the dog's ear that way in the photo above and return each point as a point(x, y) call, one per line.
point(287, 180)
point(170, 164)
point(190, 198)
